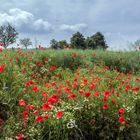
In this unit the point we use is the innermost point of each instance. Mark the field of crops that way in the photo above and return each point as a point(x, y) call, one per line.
point(69, 95)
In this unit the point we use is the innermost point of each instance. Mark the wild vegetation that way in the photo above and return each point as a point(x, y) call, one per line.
point(69, 95)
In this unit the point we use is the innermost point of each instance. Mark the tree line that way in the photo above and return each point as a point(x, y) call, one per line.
point(78, 41)
point(8, 36)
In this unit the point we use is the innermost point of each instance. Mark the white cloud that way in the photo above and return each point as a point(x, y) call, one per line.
point(16, 17)
point(20, 18)
point(41, 24)
point(73, 28)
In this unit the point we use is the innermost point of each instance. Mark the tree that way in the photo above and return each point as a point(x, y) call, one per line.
point(8, 35)
point(58, 44)
point(62, 44)
point(54, 44)
point(78, 41)
point(99, 41)
point(90, 44)
point(25, 42)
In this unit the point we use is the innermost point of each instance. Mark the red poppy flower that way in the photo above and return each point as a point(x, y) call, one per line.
point(121, 120)
point(59, 91)
point(46, 59)
point(32, 107)
point(35, 89)
point(27, 84)
point(121, 111)
point(20, 136)
point(92, 85)
point(127, 87)
point(21, 102)
point(36, 63)
point(59, 114)
point(85, 81)
point(41, 64)
point(123, 81)
point(53, 99)
point(106, 93)
point(17, 59)
point(0, 49)
point(25, 115)
point(35, 112)
point(74, 85)
point(96, 93)
point(112, 91)
point(80, 91)
point(87, 94)
point(31, 82)
point(67, 82)
point(105, 106)
point(135, 89)
point(75, 80)
point(1, 68)
point(72, 96)
point(67, 89)
point(53, 67)
point(46, 107)
point(45, 95)
point(46, 116)
point(39, 119)
point(52, 84)
point(105, 99)
point(106, 67)
point(28, 107)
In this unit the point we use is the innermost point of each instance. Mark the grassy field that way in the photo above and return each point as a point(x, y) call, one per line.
point(69, 95)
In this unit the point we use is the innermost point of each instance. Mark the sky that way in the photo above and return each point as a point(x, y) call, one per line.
point(43, 20)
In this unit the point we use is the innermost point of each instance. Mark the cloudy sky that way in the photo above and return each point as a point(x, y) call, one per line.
point(42, 20)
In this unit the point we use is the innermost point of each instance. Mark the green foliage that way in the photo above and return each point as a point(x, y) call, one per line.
point(8, 35)
point(54, 44)
point(62, 44)
point(78, 41)
point(90, 44)
point(58, 44)
point(96, 41)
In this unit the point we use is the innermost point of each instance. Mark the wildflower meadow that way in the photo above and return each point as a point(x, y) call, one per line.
point(69, 95)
